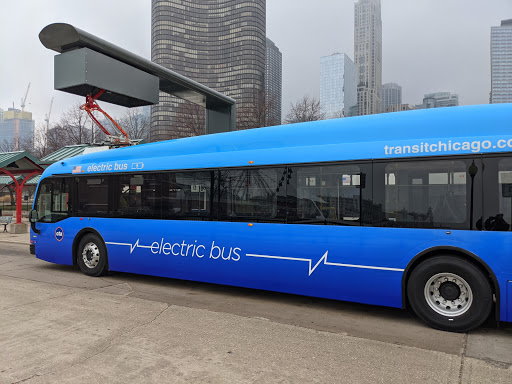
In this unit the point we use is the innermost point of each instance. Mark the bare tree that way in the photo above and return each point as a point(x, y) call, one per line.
point(258, 112)
point(135, 124)
point(50, 141)
point(76, 125)
point(24, 143)
point(306, 109)
point(8, 145)
point(191, 119)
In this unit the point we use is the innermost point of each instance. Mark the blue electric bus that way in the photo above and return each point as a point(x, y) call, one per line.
point(399, 209)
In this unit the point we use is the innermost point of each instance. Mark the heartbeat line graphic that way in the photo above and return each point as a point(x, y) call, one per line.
point(311, 262)
point(325, 262)
point(132, 246)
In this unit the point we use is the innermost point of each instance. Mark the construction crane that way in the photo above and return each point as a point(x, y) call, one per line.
point(47, 117)
point(24, 100)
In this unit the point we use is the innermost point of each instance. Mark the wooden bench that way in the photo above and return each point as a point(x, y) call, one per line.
point(5, 220)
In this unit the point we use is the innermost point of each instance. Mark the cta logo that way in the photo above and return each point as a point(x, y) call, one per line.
point(59, 233)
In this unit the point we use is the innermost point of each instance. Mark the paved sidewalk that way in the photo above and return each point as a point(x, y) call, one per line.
point(20, 238)
point(59, 326)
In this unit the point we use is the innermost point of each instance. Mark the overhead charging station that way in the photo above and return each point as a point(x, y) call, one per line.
point(87, 64)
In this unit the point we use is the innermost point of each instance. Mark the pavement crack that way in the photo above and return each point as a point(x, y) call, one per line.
point(463, 356)
point(27, 379)
point(115, 338)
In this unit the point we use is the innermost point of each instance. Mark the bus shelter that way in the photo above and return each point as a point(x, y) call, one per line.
point(20, 166)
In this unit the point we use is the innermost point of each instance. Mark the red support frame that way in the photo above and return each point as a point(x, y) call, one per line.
point(19, 189)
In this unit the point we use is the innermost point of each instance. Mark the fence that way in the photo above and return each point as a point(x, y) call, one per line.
point(7, 206)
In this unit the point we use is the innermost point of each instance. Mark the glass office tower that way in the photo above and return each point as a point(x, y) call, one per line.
point(338, 90)
point(17, 129)
point(391, 96)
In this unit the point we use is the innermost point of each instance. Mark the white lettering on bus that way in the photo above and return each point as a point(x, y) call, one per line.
point(214, 251)
point(443, 146)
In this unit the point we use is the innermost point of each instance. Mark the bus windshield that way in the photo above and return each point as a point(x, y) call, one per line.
point(52, 203)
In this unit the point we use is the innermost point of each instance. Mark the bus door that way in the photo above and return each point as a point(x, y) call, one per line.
point(53, 206)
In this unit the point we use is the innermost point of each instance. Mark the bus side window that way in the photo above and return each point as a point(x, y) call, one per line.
point(329, 194)
point(137, 196)
point(497, 194)
point(93, 196)
point(253, 194)
point(429, 193)
point(187, 195)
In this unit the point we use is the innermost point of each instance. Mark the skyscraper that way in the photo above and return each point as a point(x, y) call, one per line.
point(274, 82)
point(17, 129)
point(218, 44)
point(391, 95)
point(501, 63)
point(338, 90)
point(368, 56)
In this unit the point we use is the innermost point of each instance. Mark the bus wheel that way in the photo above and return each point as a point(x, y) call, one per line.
point(92, 255)
point(450, 293)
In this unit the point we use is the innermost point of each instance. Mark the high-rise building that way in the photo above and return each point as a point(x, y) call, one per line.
point(1, 115)
point(218, 44)
point(274, 82)
point(338, 90)
point(17, 129)
point(438, 100)
point(501, 63)
point(391, 95)
point(146, 110)
point(368, 56)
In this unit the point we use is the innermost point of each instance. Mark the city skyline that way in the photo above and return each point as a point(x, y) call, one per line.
point(444, 59)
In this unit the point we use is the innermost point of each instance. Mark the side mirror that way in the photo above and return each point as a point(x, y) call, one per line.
point(33, 219)
point(33, 216)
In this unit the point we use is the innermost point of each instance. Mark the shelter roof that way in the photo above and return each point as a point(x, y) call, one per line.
point(70, 151)
point(19, 162)
point(80, 149)
point(7, 180)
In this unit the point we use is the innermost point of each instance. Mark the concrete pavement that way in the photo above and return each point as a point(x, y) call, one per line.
point(60, 326)
point(19, 238)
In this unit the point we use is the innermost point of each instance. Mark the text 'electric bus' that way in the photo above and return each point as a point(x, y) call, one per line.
point(399, 209)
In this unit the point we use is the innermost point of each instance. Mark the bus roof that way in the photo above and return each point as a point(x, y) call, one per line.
point(427, 132)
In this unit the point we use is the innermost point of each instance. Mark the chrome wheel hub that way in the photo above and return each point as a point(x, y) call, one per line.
point(448, 294)
point(91, 255)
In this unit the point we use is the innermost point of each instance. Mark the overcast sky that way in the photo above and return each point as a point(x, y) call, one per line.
point(428, 45)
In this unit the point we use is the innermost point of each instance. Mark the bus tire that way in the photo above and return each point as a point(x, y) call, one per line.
point(450, 293)
point(92, 256)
